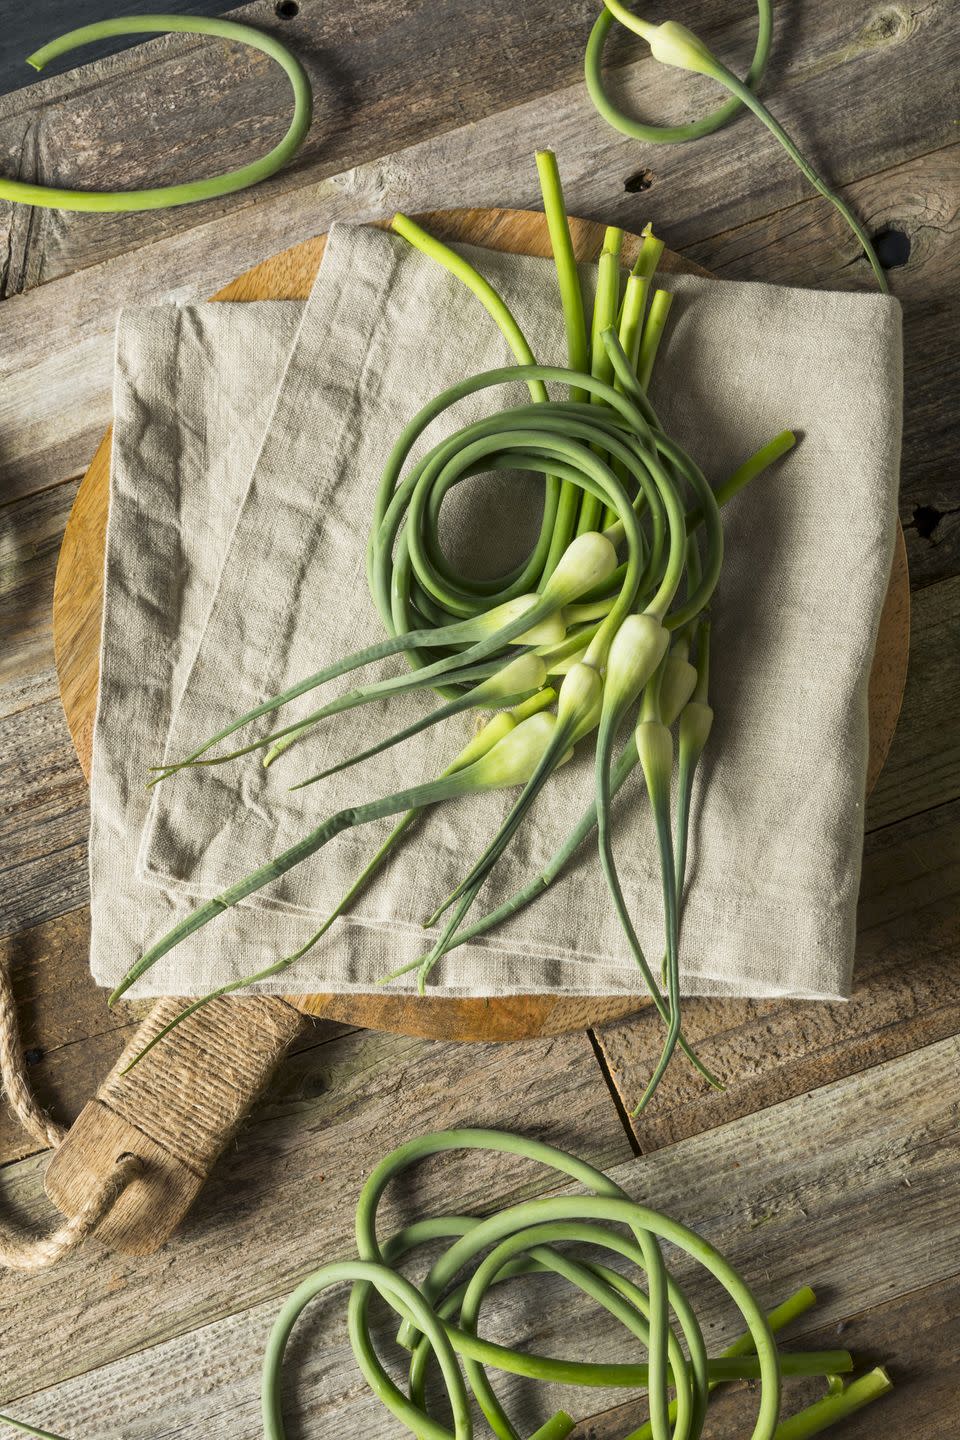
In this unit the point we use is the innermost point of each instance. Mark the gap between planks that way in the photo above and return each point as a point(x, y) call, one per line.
point(408, 58)
point(916, 1336)
point(849, 1191)
point(287, 1184)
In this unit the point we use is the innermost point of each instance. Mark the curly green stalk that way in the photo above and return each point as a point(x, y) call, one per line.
point(606, 306)
point(675, 45)
point(574, 714)
point(669, 134)
point(630, 334)
point(186, 193)
point(655, 748)
point(696, 721)
point(560, 502)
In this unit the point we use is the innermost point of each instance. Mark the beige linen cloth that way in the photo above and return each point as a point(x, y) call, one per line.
point(249, 440)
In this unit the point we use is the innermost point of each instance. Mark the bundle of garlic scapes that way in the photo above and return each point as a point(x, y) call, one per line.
point(440, 1316)
point(605, 622)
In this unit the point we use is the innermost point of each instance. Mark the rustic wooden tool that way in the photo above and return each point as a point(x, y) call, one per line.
point(182, 1103)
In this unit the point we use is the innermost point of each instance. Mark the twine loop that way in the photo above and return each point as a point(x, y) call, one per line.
point(25, 1250)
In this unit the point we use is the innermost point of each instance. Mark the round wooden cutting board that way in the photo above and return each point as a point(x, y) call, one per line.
point(78, 603)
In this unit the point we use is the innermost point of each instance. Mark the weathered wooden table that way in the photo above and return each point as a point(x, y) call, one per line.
point(831, 1156)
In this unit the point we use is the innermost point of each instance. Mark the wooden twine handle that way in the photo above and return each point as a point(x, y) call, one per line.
point(131, 1165)
point(20, 1250)
point(175, 1111)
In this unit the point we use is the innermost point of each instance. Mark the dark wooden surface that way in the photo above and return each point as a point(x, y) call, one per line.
point(425, 104)
point(32, 23)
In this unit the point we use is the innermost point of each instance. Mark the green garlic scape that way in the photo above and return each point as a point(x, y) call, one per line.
point(561, 647)
point(163, 196)
point(441, 1317)
point(674, 45)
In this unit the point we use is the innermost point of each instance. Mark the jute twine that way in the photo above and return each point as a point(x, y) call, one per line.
point(25, 1250)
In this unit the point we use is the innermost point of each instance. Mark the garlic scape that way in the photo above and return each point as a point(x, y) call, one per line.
point(596, 641)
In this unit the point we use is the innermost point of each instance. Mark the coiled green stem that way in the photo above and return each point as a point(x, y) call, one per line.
point(669, 134)
point(674, 44)
point(440, 1317)
point(185, 193)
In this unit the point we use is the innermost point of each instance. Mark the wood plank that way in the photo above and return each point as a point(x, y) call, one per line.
point(44, 813)
point(809, 244)
point(917, 1333)
point(906, 995)
point(393, 78)
point(850, 1190)
point(56, 345)
point(30, 534)
point(284, 1192)
point(923, 766)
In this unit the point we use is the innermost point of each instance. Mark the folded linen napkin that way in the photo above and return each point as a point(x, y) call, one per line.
point(245, 462)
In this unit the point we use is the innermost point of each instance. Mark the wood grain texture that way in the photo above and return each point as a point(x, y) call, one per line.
point(916, 1336)
point(283, 1194)
point(44, 810)
point(56, 344)
point(852, 1194)
point(923, 767)
point(906, 995)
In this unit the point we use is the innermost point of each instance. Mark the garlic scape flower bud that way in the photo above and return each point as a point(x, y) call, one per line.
point(587, 561)
point(677, 684)
point(513, 760)
point(655, 748)
point(579, 700)
point(696, 722)
point(635, 652)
